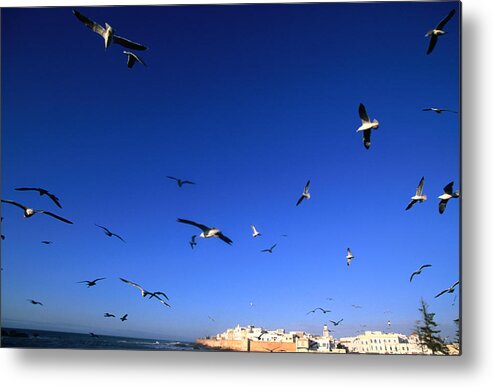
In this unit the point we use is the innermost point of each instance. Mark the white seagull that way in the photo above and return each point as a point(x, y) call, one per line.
point(448, 290)
point(437, 31)
point(305, 195)
point(448, 194)
point(147, 293)
point(207, 232)
point(132, 58)
point(255, 232)
point(107, 33)
point(349, 256)
point(419, 197)
point(28, 212)
point(438, 110)
point(366, 125)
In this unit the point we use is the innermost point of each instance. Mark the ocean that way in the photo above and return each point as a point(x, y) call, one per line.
point(29, 338)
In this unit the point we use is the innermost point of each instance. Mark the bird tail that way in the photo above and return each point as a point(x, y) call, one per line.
point(425, 197)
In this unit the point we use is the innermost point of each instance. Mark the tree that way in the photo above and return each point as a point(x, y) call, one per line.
point(428, 334)
point(457, 335)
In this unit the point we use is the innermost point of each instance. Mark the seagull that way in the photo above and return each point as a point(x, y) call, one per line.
point(349, 256)
point(252, 304)
point(179, 181)
point(147, 293)
point(448, 290)
point(356, 306)
point(192, 241)
point(437, 31)
point(321, 309)
point(268, 250)
point(132, 58)
point(336, 323)
point(28, 212)
point(124, 317)
point(109, 233)
point(34, 302)
point(419, 197)
point(109, 315)
point(448, 194)
point(41, 193)
point(255, 232)
point(366, 125)
point(210, 318)
point(438, 110)
point(418, 271)
point(93, 335)
point(207, 232)
point(388, 323)
point(305, 195)
point(91, 283)
point(47, 242)
point(107, 33)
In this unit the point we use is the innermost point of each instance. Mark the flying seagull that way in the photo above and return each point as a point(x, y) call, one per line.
point(349, 256)
point(210, 318)
point(419, 197)
point(28, 212)
point(418, 271)
point(147, 293)
point(321, 309)
point(388, 323)
point(356, 306)
point(124, 317)
point(268, 250)
point(437, 31)
point(47, 242)
point(305, 195)
point(366, 125)
point(34, 302)
point(179, 181)
point(107, 33)
point(91, 283)
point(336, 323)
point(41, 193)
point(448, 290)
point(132, 58)
point(192, 241)
point(207, 232)
point(438, 110)
point(109, 315)
point(109, 233)
point(93, 335)
point(448, 194)
point(255, 232)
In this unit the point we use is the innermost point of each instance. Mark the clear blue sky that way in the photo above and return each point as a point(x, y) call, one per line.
point(249, 102)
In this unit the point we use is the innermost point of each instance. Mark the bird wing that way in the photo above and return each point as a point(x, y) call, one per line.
point(455, 284)
point(411, 203)
point(128, 43)
point(300, 200)
point(419, 190)
point(224, 238)
point(104, 228)
point(445, 20)
point(307, 186)
point(423, 266)
point(99, 279)
point(55, 216)
point(412, 275)
point(132, 283)
point(442, 205)
point(172, 178)
point(187, 182)
point(333, 322)
point(201, 226)
point(14, 203)
point(442, 292)
point(81, 282)
point(275, 244)
point(366, 138)
point(340, 321)
point(362, 113)
point(89, 23)
point(449, 188)
point(431, 46)
point(161, 293)
point(427, 109)
point(119, 237)
point(311, 311)
point(55, 199)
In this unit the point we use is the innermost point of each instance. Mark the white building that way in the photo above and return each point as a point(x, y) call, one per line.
point(384, 343)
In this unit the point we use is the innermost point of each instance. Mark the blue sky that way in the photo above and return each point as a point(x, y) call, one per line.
point(249, 102)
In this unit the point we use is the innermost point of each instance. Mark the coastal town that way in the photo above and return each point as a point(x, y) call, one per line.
point(257, 339)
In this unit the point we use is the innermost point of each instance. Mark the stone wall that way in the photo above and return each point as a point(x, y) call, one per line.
point(232, 345)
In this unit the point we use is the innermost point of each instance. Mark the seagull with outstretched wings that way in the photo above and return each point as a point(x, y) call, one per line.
point(42, 192)
point(448, 290)
point(207, 232)
point(366, 125)
point(448, 193)
point(132, 58)
point(418, 197)
point(305, 195)
point(109, 233)
point(107, 33)
point(437, 31)
point(418, 271)
point(28, 212)
point(180, 182)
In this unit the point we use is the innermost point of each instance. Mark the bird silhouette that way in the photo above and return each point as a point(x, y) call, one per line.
point(437, 31)
point(28, 212)
point(91, 283)
point(207, 232)
point(321, 309)
point(336, 323)
point(109, 233)
point(305, 195)
point(418, 271)
point(180, 182)
point(42, 192)
point(268, 250)
point(448, 290)
point(124, 317)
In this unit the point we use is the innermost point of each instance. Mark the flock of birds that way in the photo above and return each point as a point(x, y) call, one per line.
point(367, 125)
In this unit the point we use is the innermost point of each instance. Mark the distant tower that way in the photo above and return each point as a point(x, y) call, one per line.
point(326, 332)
